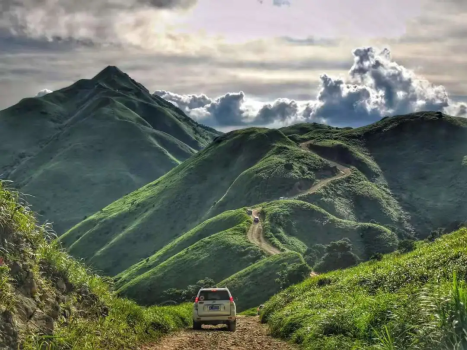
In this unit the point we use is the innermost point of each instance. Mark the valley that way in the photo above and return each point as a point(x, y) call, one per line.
point(155, 202)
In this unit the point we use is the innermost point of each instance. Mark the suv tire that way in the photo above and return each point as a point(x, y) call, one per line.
point(196, 325)
point(232, 326)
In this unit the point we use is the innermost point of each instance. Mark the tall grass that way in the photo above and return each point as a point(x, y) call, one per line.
point(108, 322)
point(411, 301)
point(447, 314)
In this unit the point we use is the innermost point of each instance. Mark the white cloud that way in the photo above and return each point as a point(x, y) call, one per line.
point(142, 23)
point(457, 109)
point(43, 92)
point(375, 86)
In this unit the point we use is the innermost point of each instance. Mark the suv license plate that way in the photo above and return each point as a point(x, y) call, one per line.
point(214, 307)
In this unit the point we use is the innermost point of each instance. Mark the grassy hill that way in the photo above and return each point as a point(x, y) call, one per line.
point(200, 188)
point(405, 301)
point(228, 251)
point(418, 158)
point(256, 283)
point(296, 225)
point(80, 148)
point(48, 300)
point(195, 214)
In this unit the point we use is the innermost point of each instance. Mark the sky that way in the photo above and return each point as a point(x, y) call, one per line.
point(233, 64)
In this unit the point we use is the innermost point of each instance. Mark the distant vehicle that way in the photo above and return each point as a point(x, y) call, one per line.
point(249, 211)
point(256, 219)
point(260, 308)
point(214, 306)
point(282, 198)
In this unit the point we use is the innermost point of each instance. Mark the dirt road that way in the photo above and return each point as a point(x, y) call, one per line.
point(343, 172)
point(255, 235)
point(250, 335)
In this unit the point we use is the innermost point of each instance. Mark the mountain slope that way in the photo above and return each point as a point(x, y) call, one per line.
point(207, 184)
point(82, 147)
point(418, 159)
point(335, 184)
point(49, 300)
point(406, 301)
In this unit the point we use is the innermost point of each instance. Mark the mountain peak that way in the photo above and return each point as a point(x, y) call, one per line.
point(109, 71)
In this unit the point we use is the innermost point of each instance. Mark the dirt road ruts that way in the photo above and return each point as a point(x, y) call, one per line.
point(250, 335)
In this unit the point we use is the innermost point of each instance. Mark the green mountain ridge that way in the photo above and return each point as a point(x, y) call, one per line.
point(157, 201)
point(152, 238)
point(80, 148)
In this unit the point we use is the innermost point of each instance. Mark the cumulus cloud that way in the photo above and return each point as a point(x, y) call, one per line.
point(375, 86)
point(43, 92)
point(121, 22)
point(184, 102)
point(457, 110)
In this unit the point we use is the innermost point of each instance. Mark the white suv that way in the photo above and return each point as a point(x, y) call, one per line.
point(214, 306)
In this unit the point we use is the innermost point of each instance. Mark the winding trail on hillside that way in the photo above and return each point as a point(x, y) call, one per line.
point(250, 335)
point(343, 172)
point(255, 235)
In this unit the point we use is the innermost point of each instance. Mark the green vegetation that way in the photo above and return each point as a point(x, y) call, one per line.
point(188, 294)
point(150, 237)
point(420, 156)
point(218, 256)
point(220, 223)
point(338, 255)
point(414, 300)
point(188, 223)
point(286, 170)
point(74, 308)
point(250, 312)
point(406, 245)
point(297, 225)
point(412, 166)
point(357, 199)
point(82, 147)
point(153, 216)
point(157, 201)
point(292, 274)
point(257, 283)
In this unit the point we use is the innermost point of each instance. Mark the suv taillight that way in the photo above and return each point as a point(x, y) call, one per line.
point(231, 299)
point(196, 300)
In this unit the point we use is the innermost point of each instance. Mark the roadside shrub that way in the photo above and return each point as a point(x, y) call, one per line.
point(188, 294)
point(406, 245)
point(435, 234)
point(338, 255)
point(292, 274)
point(314, 253)
point(377, 257)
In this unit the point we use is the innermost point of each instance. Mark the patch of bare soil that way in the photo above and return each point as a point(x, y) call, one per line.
point(250, 335)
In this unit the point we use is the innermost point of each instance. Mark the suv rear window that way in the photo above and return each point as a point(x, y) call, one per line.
point(206, 295)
